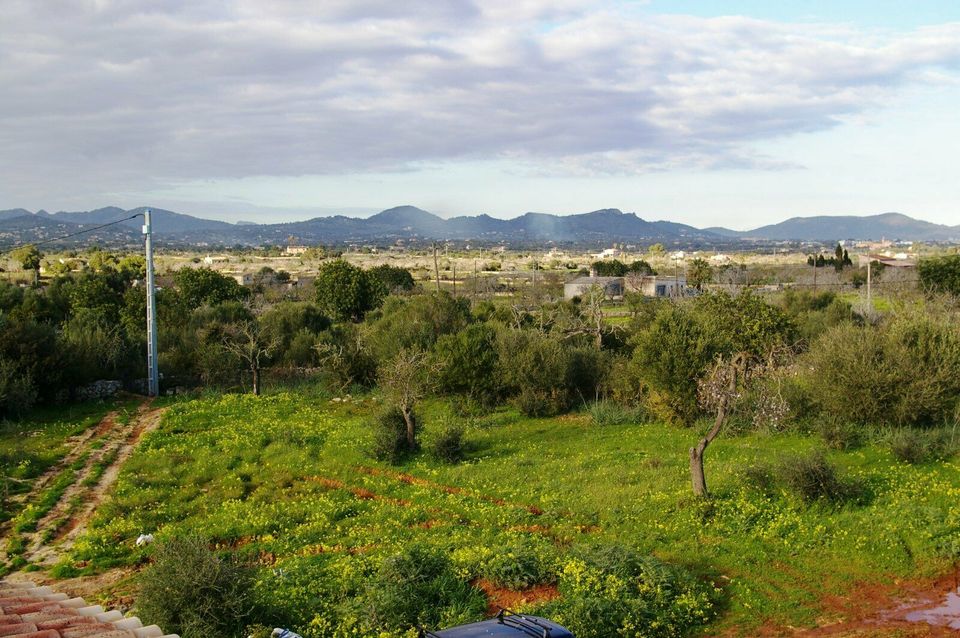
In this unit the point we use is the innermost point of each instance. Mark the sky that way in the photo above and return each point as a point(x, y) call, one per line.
point(736, 113)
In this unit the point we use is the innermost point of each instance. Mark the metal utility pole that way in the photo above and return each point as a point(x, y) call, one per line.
point(153, 375)
point(869, 295)
point(436, 266)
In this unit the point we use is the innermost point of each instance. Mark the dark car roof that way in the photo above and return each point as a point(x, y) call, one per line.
point(507, 626)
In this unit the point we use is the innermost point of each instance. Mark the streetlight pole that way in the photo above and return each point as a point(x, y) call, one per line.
point(153, 376)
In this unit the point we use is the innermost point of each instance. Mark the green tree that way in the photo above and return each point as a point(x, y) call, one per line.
point(699, 272)
point(641, 267)
point(101, 261)
point(203, 286)
point(346, 292)
point(101, 292)
point(416, 322)
point(132, 267)
point(682, 342)
point(30, 258)
point(393, 278)
point(941, 274)
point(669, 356)
point(609, 268)
point(467, 363)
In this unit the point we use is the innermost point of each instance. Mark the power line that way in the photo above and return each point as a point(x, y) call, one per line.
point(79, 232)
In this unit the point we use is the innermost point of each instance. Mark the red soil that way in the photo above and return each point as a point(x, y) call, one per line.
point(498, 598)
point(901, 609)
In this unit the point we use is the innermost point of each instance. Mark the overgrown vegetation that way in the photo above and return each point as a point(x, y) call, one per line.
point(287, 481)
point(436, 447)
point(191, 590)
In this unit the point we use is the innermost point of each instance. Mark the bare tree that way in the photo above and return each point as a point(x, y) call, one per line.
point(723, 388)
point(248, 341)
point(407, 379)
point(718, 390)
point(589, 319)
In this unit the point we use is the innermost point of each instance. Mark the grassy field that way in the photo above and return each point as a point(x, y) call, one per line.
point(28, 448)
point(286, 480)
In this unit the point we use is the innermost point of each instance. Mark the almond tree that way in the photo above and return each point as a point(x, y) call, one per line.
point(249, 342)
point(721, 390)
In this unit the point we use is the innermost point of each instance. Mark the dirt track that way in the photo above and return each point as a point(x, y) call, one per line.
point(107, 447)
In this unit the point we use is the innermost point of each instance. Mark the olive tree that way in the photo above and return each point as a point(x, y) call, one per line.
point(406, 379)
point(29, 257)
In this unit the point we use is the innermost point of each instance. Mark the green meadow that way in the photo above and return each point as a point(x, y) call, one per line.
point(286, 481)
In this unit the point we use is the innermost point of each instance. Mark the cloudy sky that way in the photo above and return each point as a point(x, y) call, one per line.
point(733, 113)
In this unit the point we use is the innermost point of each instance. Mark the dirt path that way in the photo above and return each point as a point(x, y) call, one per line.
point(78, 444)
point(63, 523)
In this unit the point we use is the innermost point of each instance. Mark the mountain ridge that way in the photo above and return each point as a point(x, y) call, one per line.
point(602, 226)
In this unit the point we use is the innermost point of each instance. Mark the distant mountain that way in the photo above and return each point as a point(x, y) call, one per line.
point(172, 223)
point(407, 222)
point(31, 228)
point(13, 213)
point(833, 228)
point(600, 227)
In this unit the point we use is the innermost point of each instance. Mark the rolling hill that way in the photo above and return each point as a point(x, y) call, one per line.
point(598, 227)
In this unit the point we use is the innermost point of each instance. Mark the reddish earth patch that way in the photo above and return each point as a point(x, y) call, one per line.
point(330, 483)
point(106, 424)
point(498, 598)
point(926, 608)
point(361, 493)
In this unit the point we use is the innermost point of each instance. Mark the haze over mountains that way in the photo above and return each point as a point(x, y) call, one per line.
point(407, 222)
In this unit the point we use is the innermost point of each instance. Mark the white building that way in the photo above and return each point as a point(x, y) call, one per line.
point(660, 286)
point(612, 287)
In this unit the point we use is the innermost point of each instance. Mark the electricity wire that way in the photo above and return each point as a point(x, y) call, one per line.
point(79, 232)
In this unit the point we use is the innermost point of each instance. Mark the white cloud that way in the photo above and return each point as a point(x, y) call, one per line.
point(119, 96)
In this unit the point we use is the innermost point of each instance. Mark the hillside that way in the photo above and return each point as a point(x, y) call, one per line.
point(596, 228)
point(832, 228)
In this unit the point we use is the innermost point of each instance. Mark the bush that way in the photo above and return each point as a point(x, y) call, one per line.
point(521, 565)
point(903, 372)
point(613, 591)
point(839, 434)
point(416, 323)
point(760, 477)
point(192, 591)
point(469, 363)
point(342, 353)
point(537, 370)
point(917, 446)
point(606, 412)
point(813, 477)
point(941, 274)
point(17, 390)
point(537, 402)
point(390, 436)
point(669, 357)
point(448, 447)
point(419, 587)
